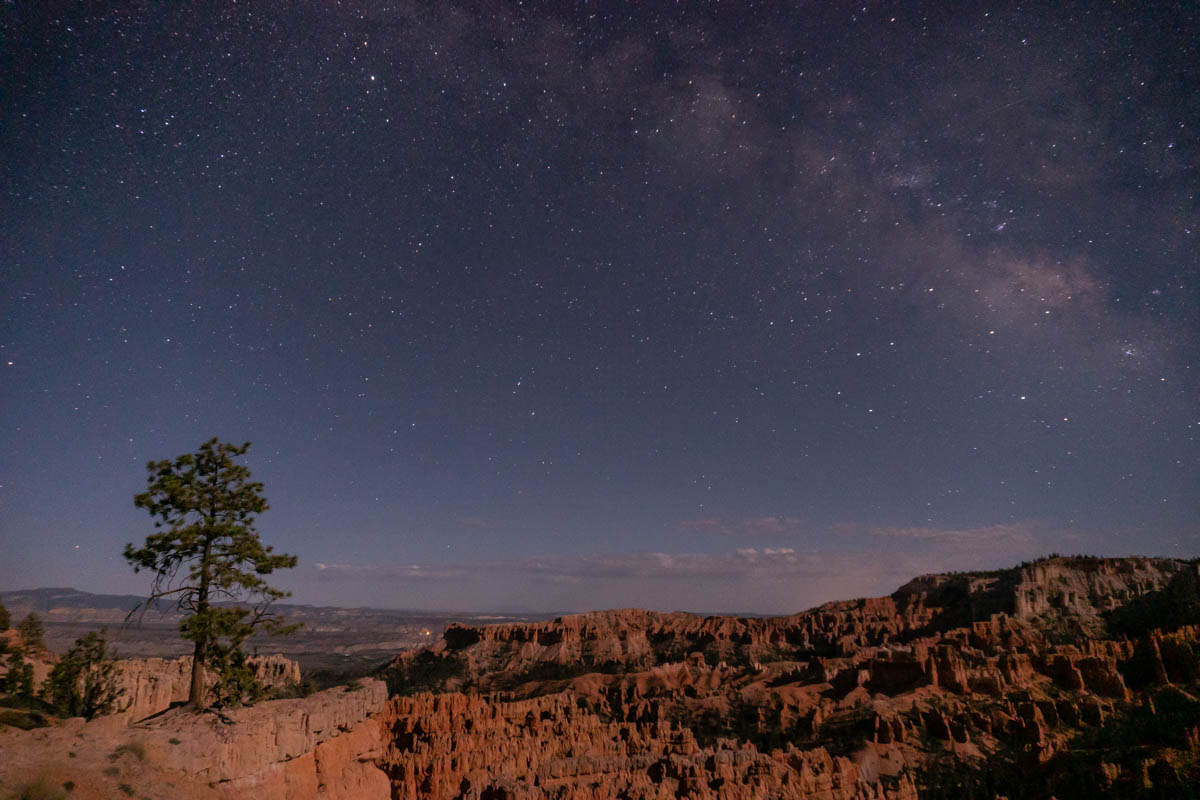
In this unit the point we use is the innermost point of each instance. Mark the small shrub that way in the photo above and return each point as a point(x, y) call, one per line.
point(542, 671)
point(18, 683)
point(24, 720)
point(39, 790)
point(32, 631)
point(133, 748)
point(83, 682)
point(425, 672)
point(236, 682)
point(1171, 607)
point(321, 679)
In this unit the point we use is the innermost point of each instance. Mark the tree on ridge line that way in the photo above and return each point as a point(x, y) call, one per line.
point(209, 558)
point(32, 631)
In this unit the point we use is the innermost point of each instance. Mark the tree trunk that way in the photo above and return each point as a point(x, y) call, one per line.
point(200, 653)
point(196, 692)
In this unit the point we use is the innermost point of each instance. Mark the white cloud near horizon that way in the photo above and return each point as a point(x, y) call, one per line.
point(777, 579)
point(1022, 532)
point(763, 524)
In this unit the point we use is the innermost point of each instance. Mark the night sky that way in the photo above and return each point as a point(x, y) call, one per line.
point(565, 306)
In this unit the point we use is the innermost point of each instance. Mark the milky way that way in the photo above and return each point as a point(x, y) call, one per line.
point(549, 307)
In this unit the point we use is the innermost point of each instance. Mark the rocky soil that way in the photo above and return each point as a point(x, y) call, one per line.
point(322, 746)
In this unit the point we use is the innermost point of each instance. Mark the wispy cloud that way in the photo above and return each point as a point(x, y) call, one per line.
point(767, 524)
point(1011, 533)
point(769, 579)
point(387, 571)
point(625, 566)
point(871, 561)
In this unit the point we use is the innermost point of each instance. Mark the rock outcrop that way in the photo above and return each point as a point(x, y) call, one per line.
point(561, 745)
point(150, 685)
point(322, 746)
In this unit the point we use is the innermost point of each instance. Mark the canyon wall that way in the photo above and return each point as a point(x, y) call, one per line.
point(953, 683)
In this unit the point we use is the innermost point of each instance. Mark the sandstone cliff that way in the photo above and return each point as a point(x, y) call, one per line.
point(150, 685)
point(322, 746)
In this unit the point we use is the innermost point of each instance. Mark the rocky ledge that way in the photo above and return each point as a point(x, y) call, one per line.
point(150, 685)
point(322, 746)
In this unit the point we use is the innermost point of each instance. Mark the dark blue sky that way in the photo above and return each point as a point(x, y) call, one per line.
point(555, 306)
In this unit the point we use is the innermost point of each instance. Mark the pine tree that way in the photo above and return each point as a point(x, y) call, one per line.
point(209, 558)
point(83, 683)
point(18, 683)
point(32, 632)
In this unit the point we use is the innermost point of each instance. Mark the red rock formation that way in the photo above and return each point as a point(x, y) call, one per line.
point(151, 685)
point(848, 700)
point(456, 745)
point(864, 699)
point(322, 746)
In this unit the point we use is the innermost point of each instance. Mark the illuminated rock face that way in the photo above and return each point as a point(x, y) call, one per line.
point(875, 698)
point(318, 746)
point(151, 685)
point(454, 745)
point(860, 699)
point(321, 746)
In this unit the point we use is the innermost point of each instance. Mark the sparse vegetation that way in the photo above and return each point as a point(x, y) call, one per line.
point(32, 631)
point(18, 683)
point(999, 775)
point(24, 719)
point(83, 682)
point(1175, 605)
point(235, 681)
point(542, 671)
point(321, 679)
point(135, 749)
point(40, 789)
point(425, 672)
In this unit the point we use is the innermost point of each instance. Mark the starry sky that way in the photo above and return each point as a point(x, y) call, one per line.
point(559, 306)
